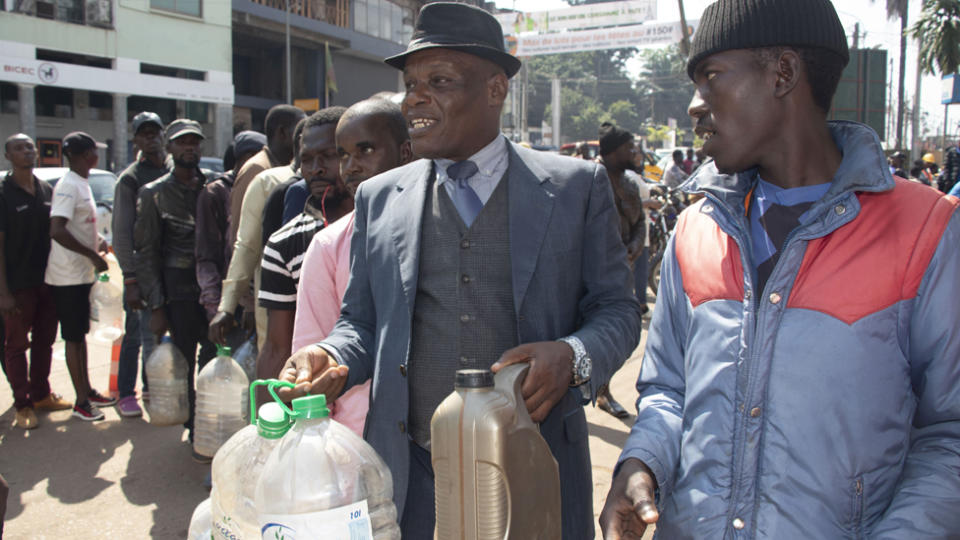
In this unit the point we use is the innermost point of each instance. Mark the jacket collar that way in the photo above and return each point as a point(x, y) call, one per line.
point(863, 168)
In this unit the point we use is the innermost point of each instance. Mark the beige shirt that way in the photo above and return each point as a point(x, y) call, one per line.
point(248, 249)
point(260, 162)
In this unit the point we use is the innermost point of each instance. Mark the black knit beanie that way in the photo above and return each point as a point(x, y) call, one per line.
point(612, 137)
point(748, 24)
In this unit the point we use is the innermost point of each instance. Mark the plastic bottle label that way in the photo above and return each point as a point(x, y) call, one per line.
point(350, 522)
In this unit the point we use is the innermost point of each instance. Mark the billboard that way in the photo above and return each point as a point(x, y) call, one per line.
point(637, 35)
point(578, 18)
point(950, 89)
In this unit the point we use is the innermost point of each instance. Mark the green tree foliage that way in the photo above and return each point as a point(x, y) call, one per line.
point(664, 89)
point(595, 88)
point(938, 33)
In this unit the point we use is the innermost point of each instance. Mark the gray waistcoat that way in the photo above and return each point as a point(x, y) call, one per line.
point(463, 315)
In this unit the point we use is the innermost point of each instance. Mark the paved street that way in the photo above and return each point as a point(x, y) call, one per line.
point(123, 478)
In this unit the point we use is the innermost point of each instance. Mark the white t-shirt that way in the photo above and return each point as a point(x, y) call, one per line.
point(674, 175)
point(72, 199)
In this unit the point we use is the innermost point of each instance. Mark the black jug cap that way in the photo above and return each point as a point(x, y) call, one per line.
point(474, 378)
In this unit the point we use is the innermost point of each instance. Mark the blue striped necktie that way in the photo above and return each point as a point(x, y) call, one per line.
point(464, 197)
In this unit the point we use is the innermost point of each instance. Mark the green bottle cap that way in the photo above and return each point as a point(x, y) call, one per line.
point(104, 277)
point(272, 422)
point(223, 350)
point(311, 407)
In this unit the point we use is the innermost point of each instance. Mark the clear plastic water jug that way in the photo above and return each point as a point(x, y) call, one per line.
point(167, 372)
point(236, 469)
point(200, 522)
point(222, 402)
point(494, 474)
point(246, 356)
point(106, 309)
point(322, 481)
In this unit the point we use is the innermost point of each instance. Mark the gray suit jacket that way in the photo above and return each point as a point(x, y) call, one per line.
point(570, 277)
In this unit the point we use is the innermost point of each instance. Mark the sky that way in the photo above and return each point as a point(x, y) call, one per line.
point(875, 31)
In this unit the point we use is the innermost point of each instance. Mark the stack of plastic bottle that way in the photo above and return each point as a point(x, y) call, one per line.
point(167, 372)
point(222, 402)
point(246, 356)
point(200, 522)
point(323, 481)
point(106, 309)
point(236, 469)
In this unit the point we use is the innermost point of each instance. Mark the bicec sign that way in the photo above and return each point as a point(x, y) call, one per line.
point(24, 71)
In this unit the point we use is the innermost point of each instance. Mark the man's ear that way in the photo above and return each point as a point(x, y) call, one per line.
point(789, 70)
point(406, 152)
point(497, 87)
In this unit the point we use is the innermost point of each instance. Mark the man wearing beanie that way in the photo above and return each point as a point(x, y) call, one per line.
point(540, 275)
point(800, 378)
point(630, 195)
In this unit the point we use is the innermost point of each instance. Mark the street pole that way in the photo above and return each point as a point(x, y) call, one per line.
point(555, 109)
point(685, 42)
point(287, 55)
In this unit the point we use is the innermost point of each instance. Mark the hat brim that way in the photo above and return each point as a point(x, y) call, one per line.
point(188, 131)
point(509, 63)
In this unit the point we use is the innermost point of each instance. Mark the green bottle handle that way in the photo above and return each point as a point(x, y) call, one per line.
point(271, 385)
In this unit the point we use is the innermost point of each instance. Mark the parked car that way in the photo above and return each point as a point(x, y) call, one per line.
point(101, 184)
point(213, 163)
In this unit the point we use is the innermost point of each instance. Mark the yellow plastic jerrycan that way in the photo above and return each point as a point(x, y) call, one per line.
point(494, 475)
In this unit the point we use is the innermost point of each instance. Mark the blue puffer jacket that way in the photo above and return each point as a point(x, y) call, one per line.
point(828, 404)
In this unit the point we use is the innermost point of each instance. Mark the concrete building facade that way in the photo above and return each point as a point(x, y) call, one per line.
point(358, 33)
point(92, 65)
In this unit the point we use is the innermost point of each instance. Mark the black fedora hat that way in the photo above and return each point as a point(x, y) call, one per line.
point(461, 27)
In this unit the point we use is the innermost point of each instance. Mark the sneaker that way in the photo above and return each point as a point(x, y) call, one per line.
point(86, 411)
point(100, 400)
point(26, 418)
point(53, 402)
point(128, 406)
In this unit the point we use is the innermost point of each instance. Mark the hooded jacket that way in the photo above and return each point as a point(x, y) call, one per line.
point(826, 405)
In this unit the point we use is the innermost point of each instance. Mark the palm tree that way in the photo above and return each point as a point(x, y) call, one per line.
point(938, 33)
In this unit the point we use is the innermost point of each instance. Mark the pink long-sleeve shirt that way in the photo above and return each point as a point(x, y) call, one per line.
point(323, 280)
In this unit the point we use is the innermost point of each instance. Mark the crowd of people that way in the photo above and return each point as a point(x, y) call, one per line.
point(799, 377)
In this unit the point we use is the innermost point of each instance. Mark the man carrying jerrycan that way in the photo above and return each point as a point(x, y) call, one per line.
point(541, 272)
point(800, 377)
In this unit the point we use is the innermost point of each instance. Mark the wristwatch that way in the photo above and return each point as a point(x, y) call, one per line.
point(582, 364)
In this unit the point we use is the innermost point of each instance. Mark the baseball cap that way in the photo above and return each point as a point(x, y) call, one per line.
point(77, 142)
point(248, 141)
point(146, 117)
point(183, 126)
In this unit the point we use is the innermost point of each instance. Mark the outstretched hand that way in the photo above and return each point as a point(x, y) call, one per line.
point(551, 369)
point(630, 505)
point(312, 371)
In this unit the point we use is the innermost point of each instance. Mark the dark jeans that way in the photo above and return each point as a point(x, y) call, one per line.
point(33, 328)
point(419, 510)
point(188, 328)
point(641, 271)
point(137, 336)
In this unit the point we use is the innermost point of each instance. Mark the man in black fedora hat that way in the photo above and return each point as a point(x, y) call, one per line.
point(539, 272)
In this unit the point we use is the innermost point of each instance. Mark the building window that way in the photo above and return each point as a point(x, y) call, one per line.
point(53, 101)
point(380, 18)
point(9, 98)
point(166, 108)
point(167, 71)
point(186, 7)
point(101, 106)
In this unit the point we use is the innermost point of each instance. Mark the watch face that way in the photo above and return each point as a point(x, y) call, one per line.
point(584, 370)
